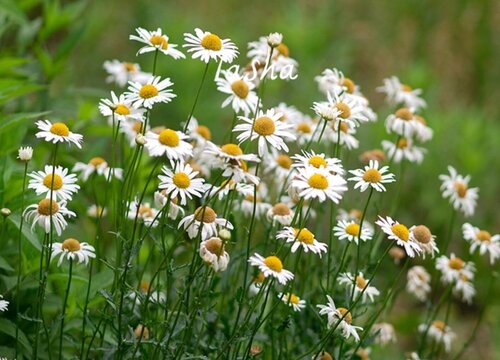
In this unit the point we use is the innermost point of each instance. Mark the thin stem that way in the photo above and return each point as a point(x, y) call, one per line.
point(64, 308)
point(197, 96)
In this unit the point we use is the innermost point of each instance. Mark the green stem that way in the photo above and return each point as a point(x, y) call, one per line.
point(64, 308)
point(197, 96)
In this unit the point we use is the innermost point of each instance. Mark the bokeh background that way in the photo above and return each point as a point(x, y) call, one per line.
point(52, 54)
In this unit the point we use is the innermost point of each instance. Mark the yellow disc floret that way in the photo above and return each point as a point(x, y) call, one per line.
point(211, 42)
point(284, 161)
point(317, 161)
point(264, 126)
point(206, 215)
point(148, 91)
point(71, 245)
point(352, 229)
point(181, 180)
point(232, 149)
point(158, 40)
point(44, 207)
point(169, 138)
point(305, 236)
point(54, 183)
point(344, 109)
point(240, 88)
point(318, 181)
point(401, 231)
point(121, 109)
point(59, 129)
point(372, 176)
point(273, 263)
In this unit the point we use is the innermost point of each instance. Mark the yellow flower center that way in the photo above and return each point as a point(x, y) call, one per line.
point(138, 127)
point(158, 40)
point(204, 132)
point(402, 143)
point(461, 189)
point(456, 263)
point(129, 67)
point(283, 50)
point(145, 285)
point(55, 184)
point(169, 138)
point(96, 161)
point(344, 127)
point(281, 209)
point(422, 234)
point(483, 235)
point(294, 299)
point(181, 180)
point(438, 324)
point(232, 149)
point(404, 114)
point(240, 88)
point(317, 161)
point(325, 356)
point(215, 246)
point(259, 279)
point(372, 176)
point(211, 42)
point(304, 128)
point(121, 109)
point(352, 229)
point(146, 211)
point(305, 236)
point(406, 88)
point(318, 181)
point(264, 126)
point(348, 317)
point(420, 119)
point(360, 282)
point(400, 231)
point(344, 109)
point(141, 329)
point(148, 91)
point(284, 161)
point(59, 129)
point(44, 207)
point(71, 245)
point(273, 263)
point(349, 84)
point(206, 215)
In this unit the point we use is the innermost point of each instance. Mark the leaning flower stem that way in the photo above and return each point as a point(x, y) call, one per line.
point(337, 145)
point(341, 265)
point(330, 243)
point(309, 143)
point(20, 260)
point(64, 308)
point(197, 96)
point(84, 320)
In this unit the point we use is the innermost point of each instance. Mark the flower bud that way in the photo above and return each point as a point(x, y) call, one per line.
point(25, 153)
point(140, 140)
point(274, 39)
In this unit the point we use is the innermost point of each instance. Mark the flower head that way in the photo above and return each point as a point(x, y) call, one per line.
point(57, 132)
point(401, 234)
point(153, 91)
point(271, 266)
point(25, 153)
point(72, 249)
point(156, 41)
point(371, 176)
point(207, 46)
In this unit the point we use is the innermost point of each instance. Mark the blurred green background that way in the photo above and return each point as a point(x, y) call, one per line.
point(52, 54)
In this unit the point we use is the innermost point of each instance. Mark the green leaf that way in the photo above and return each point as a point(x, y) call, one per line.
point(9, 328)
point(5, 265)
point(16, 119)
point(28, 234)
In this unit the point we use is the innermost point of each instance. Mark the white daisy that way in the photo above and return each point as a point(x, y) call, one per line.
point(464, 289)
point(289, 114)
point(453, 268)
point(213, 254)
point(456, 188)
point(267, 129)
point(335, 315)
point(242, 96)
point(280, 213)
point(43, 212)
point(372, 176)
point(304, 129)
point(319, 183)
point(119, 108)
point(292, 300)
point(206, 46)
point(280, 57)
point(401, 94)
point(483, 240)
point(200, 134)
point(207, 218)
point(96, 211)
point(182, 182)
point(122, 72)
point(346, 135)
point(302, 238)
point(313, 159)
point(369, 292)
point(154, 41)
point(57, 132)
point(404, 149)
point(256, 284)
point(440, 333)
point(425, 239)
point(99, 166)
point(349, 110)
point(350, 230)
point(418, 282)
point(422, 132)
point(229, 185)
point(161, 197)
point(399, 233)
point(334, 81)
point(153, 91)
point(401, 122)
point(4, 304)
point(271, 266)
point(383, 333)
point(170, 143)
point(144, 212)
point(72, 249)
point(55, 183)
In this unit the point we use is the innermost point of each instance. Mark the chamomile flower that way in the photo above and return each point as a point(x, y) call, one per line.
point(342, 316)
point(242, 96)
point(304, 129)
point(398, 93)
point(132, 129)
point(267, 129)
point(152, 92)
point(456, 188)
point(55, 183)
point(279, 165)
point(256, 284)
point(213, 254)
point(401, 122)
point(372, 176)
point(207, 46)
point(182, 182)
point(57, 132)
point(350, 230)
point(170, 143)
point(144, 212)
point(119, 108)
point(464, 289)
point(280, 213)
point(349, 109)
point(205, 217)
point(4, 304)
point(418, 282)
point(308, 159)
point(99, 166)
point(345, 137)
point(399, 233)
point(422, 132)
point(453, 268)
point(319, 183)
point(302, 237)
point(161, 198)
point(200, 134)
point(229, 185)
point(482, 240)
point(292, 300)
point(334, 81)
point(259, 52)
point(369, 292)
point(271, 266)
point(404, 149)
point(72, 249)
point(439, 332)
point(122, 72)
point(289, 114)
point(383, 333)
point(375, 154)
point(43, 213)
point(425, 239)
point(230, 154)
point(156, 41)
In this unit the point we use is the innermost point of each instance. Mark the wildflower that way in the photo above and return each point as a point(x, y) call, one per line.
point(201, 134)
point(369, 292)
point(72, 249)
point(230, 154)
point(274, 39)
point(304, 129)
point(120, 108)
point(334, 81)
point(464, 289)
point(483, 240)
point(349, 110)
point(453, 268)
point(375, 154)
point(242, 96)
point(206, 46)
point(324, 355)
point(399, 233)
point(259, 52)
point(122, 72)
point(143, 212)
point(170, 143)
point(43, 213)
point(350, 230)
point(261, 207)
point(160, 198)
point(141, 329)
point(292, 300)
point(341, 314)
point(372, 176)
point(319, 183)
point(256, 284)
point(25, 153)
point(205, 217)
point(156, 41)
point(384, 333)
point(425, 239)
point(55, 183)
point(213, 254)
point(278, 164)
point(57, 132)
point(99, 166)
point(317, 161)
point(280, 213)
point(271, 266)
point(182, 182)
point(401, 122)
point(153, 91)
point(456, 188)
point(96, 211)
point(421, 131)
point(229, 185)
point(4, 304)
point(397, 254)
point(418, 282)
point(440, 333)
point(404, 149)
point(346, 135)
point(302, 237)
point(401, 94)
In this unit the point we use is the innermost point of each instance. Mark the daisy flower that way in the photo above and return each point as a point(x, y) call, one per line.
point(375, 154)
point(132, 129)
point(43, 212)
point(346, 135)
point(155, 40)
point(161, 198)
point(372, 176)
point(399, 233)
point(205, 217)
point(280, 213)
point(453, 268)
point(119, 108)
point(99, 166)
point(401, 122)
point(383, 333)
point(280, 57)
point(267, 129)
point(261, 207)
point(256, 284)
point(54, 181)
point(96, 211)
point(317, 161)
point(206, 46)
point(425, 239)
point(350, 230)
point(144, 212)
point(334, 81)
point(464, 289)
point(152, 92)
point(201, 134)
point(398, 93)
point(422, 132)
point(213, 254)
point(271, 266)
point(182, 182)
point(72, 249)
point(404, 149)
point(4, 304)
point(439, 332)
point(122, 72)
point(341, 314)
point(369, 292)
point(25, 153)
point(57, 132)
point(456, 188)
point(418, 282)
point(230, 153)
point(349, 110)
point(170, 143)
point(229, 185)
point(483, 240)
point(302, 238)
point(278, 165)
point(292, 300)
point(319, 183)
point(304, 129)
point(289, 114)
point(242, 96)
